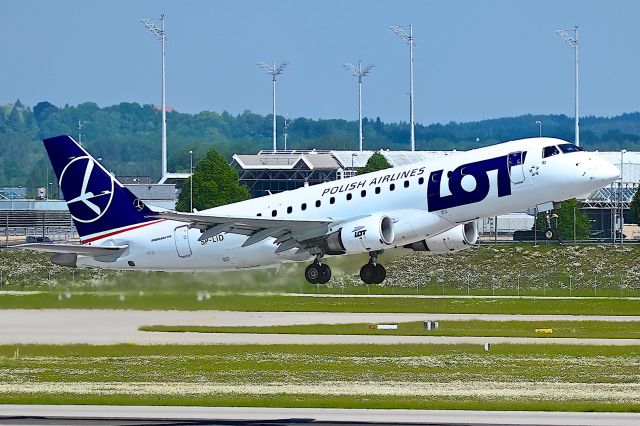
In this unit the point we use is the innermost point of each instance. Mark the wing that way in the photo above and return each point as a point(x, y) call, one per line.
point(85, 250)
point(289, 233)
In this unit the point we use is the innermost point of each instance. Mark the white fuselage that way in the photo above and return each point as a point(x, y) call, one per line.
point(174, 246)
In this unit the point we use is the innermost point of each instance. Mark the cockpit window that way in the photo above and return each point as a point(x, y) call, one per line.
point(550, 151)
point(568, 147)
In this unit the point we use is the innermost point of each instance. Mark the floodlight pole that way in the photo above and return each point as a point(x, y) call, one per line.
point(274, 114)
point(273, 71)
point(573, 42)
point(397, 29)
point(190, 181)
point(621, 197)
point(359, 72)
point(539, 123)
point(81, 124)
point(160, 34)
point(287, 122)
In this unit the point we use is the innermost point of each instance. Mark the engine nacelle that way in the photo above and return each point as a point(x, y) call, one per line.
point(455, 239)
point(362, 235)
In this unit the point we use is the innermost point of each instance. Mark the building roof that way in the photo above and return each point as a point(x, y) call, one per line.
point(286, 160)
point(395, 158)
point(613, 194)
point(174, 179)
point(153, 191)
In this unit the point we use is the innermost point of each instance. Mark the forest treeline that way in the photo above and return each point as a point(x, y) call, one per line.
point(127, 136)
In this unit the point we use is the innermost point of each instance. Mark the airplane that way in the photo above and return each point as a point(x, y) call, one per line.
point(429, 206)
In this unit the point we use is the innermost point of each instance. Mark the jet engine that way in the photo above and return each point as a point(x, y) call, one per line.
point(455, 239)
point(362, 235)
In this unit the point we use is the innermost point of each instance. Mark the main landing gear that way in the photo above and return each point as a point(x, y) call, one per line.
point(373, 272)
point(318, 273)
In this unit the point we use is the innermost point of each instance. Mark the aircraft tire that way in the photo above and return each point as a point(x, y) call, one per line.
point(367, 274)
point(379, 274)
point(551, 234)
point(325, 274)
point(313, 273)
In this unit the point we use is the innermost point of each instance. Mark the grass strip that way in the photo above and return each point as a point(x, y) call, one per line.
point(586, 329)
point(172, 366)
point(286, 303)
point(321, 401)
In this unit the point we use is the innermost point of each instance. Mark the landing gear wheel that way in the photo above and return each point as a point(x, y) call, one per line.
point(551, 234)
point(317, 273)
point(367, 273)
point(325, 274)
point(313, 273)
point(379, 274)
point(373, 272)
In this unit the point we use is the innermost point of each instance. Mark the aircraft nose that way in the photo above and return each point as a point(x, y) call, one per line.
point(604, 172)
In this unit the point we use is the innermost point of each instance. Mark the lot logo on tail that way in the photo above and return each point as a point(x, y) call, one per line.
point(88, 189)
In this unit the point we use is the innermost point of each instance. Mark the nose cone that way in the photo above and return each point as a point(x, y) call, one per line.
point(604, 173)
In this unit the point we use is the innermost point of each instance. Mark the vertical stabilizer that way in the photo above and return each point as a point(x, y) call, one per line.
point(99, 205)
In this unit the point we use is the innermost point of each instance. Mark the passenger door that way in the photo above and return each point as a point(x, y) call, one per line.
point(516, 167)
point(181, 238)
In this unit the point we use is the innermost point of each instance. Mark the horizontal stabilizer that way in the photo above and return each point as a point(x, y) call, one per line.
point(85, 250)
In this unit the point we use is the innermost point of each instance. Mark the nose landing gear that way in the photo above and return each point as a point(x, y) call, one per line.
point(373, 272)
point(317, 273)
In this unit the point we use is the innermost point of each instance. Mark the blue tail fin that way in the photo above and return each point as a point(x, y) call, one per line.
point(97, 201)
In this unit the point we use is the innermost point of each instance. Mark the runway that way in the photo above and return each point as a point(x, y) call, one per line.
point(96, 414)
point(102, 327)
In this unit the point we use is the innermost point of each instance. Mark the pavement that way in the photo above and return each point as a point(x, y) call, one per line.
point(92, 414)
point(103, 327)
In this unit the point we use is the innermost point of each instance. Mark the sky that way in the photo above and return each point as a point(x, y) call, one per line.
point(473, 60)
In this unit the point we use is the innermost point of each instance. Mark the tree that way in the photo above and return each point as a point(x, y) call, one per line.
point(376, 162)
point(42, 110)
point(215, 183)
point(635, 207)
point(564, 221)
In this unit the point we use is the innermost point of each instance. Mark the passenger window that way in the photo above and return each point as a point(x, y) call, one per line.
point(377, 189)
point(406, 183)
point(550, 151)
point(259, 214)
point(420, 181)
point(303, 206)
point(318, 203)
point(349, 196)
point(289, 209)
point(274, 213)
point(332, 200)
point(363, 193)
point(392, 187)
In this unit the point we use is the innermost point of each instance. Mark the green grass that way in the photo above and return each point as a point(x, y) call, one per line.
point(321, 401)
point(290, 303)
point(582, 329)
point(514, 269)
point(238, 365)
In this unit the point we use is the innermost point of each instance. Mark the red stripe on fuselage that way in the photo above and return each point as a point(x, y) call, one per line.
point(121, 231)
